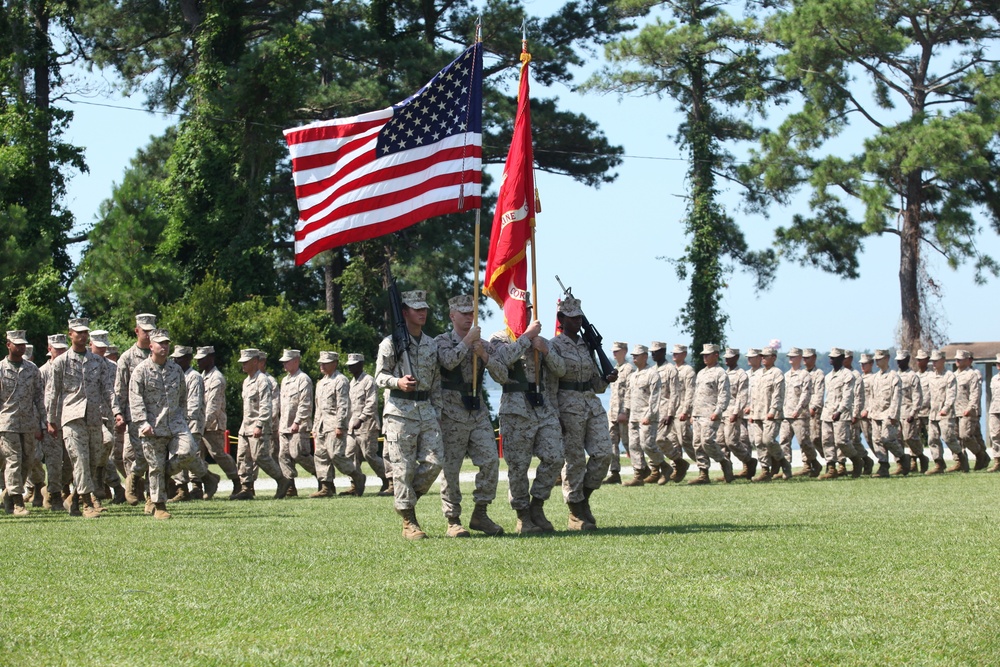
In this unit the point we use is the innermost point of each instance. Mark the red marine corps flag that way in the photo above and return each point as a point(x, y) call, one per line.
point(514, 219)
point(361, 177)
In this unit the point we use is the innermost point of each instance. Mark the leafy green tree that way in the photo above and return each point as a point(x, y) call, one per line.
point(35, 163)
point(921, 76)
point(711, 64)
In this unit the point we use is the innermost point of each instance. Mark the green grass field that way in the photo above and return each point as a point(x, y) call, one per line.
point(804, 572)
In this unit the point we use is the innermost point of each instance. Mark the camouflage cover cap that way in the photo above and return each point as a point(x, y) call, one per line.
point(902, 354)
point(204, 352)
point(355, 358)
point(680, 349)
point(79, 324)
point(753, 352)
point(657, 345)
point(922, 354)
point(112, 349)
point(836, 352)
point(145, 321)
point(809, 352)
point(159, 336)
point(709, 348)
point(639, 349)
point(866, 358)
point(732, 352)
point(288, 355)
point(849, 354)
point(29, 351)
point(57, 341)
point(881, 354)
point(794, 352)
point(937, 355)
point(262, 354)
point(618, 345)
point(181, 351)
point(328, 357)
point(461, 303)
point(768, 352)
point(248, 354)
point(415, 299)
point(963, 354)
point(570, 307)
point(99, 337)
point(18, 337)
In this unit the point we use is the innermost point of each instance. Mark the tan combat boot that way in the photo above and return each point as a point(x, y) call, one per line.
point(325, 490)
point(995, 467)
point(858, 466)
point(358, 481)
point(160, 511)
point(882, 472)
point(727, 470)
point(96, 503)
point(577, 518)
point(955, 467)
point(614, 478)
point(536, 511)
point(87, 508)
point(831, 472)
point(763, 476)
point(666, 470)
point(119, 492)
point(73, 505)
point(387, 489)
point(210, 485)
point(653, 477)
point(149, 508)
point(636, 480)
point(455, 528)
point(38, 496)
point(133, 489)
point(680, 470)
point(749, 469)
point(8, 501)
point(805, 471)
point(525, 526)
point(411, 529)
point(585, 506)
point(481, 521)
point(19, 507)
point(841, 469)
point(937, 469)
point(702, 478)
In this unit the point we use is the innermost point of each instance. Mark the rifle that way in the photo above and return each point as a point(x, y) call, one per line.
point(592, 338)
point(400, 336)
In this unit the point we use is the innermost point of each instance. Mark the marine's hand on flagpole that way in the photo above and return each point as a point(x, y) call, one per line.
point(533, 330)
point(475, 333)
point(540, 344)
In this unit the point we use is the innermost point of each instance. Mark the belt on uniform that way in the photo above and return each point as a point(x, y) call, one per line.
point(519, 387)
point(410, 395)
point(462, 387)
point(574, 386)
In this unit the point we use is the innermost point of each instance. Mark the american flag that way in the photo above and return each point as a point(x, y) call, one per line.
point(361, 177)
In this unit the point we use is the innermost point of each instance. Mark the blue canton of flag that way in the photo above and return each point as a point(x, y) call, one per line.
point(440, 109)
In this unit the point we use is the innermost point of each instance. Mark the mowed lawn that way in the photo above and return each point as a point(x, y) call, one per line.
point(804, 572)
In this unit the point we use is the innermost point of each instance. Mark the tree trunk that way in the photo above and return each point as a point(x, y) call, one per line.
point(910, 330)
point(332, 270)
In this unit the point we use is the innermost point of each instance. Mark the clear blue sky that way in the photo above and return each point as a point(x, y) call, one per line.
point(606, 243)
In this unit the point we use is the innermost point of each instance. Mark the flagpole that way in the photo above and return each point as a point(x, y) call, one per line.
point(525, 59)
point(475, 281)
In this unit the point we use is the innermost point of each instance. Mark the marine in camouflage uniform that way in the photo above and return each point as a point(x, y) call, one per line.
point(58, 466)
point(113, 439)
point(994, 417)
point(674, 467)
point(767, 400)
point(942, 423)
point(884, 412)
point(465, 421)
point(362, 436)
point(683, 436)
point(529, 422)
point(642, 404)
point(586, 443)
point(924, 374)
point(711, 398)
point(968, 405)
point(860, 396)
point(412, 413)
point(735, 434)
point(76, 400)
point(795, 413)
point(818, 391)
point(159, 406)
point(618, 426)
point(135, 462)
point(214, 439)
point(864, 421)
point(205, 486)
point(837, 410)
point(911, 401)
point(332, 418)
point(254, 448)
point(22, 406)
point(295, 422)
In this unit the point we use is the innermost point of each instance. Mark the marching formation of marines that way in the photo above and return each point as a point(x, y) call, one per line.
point(71, 430)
